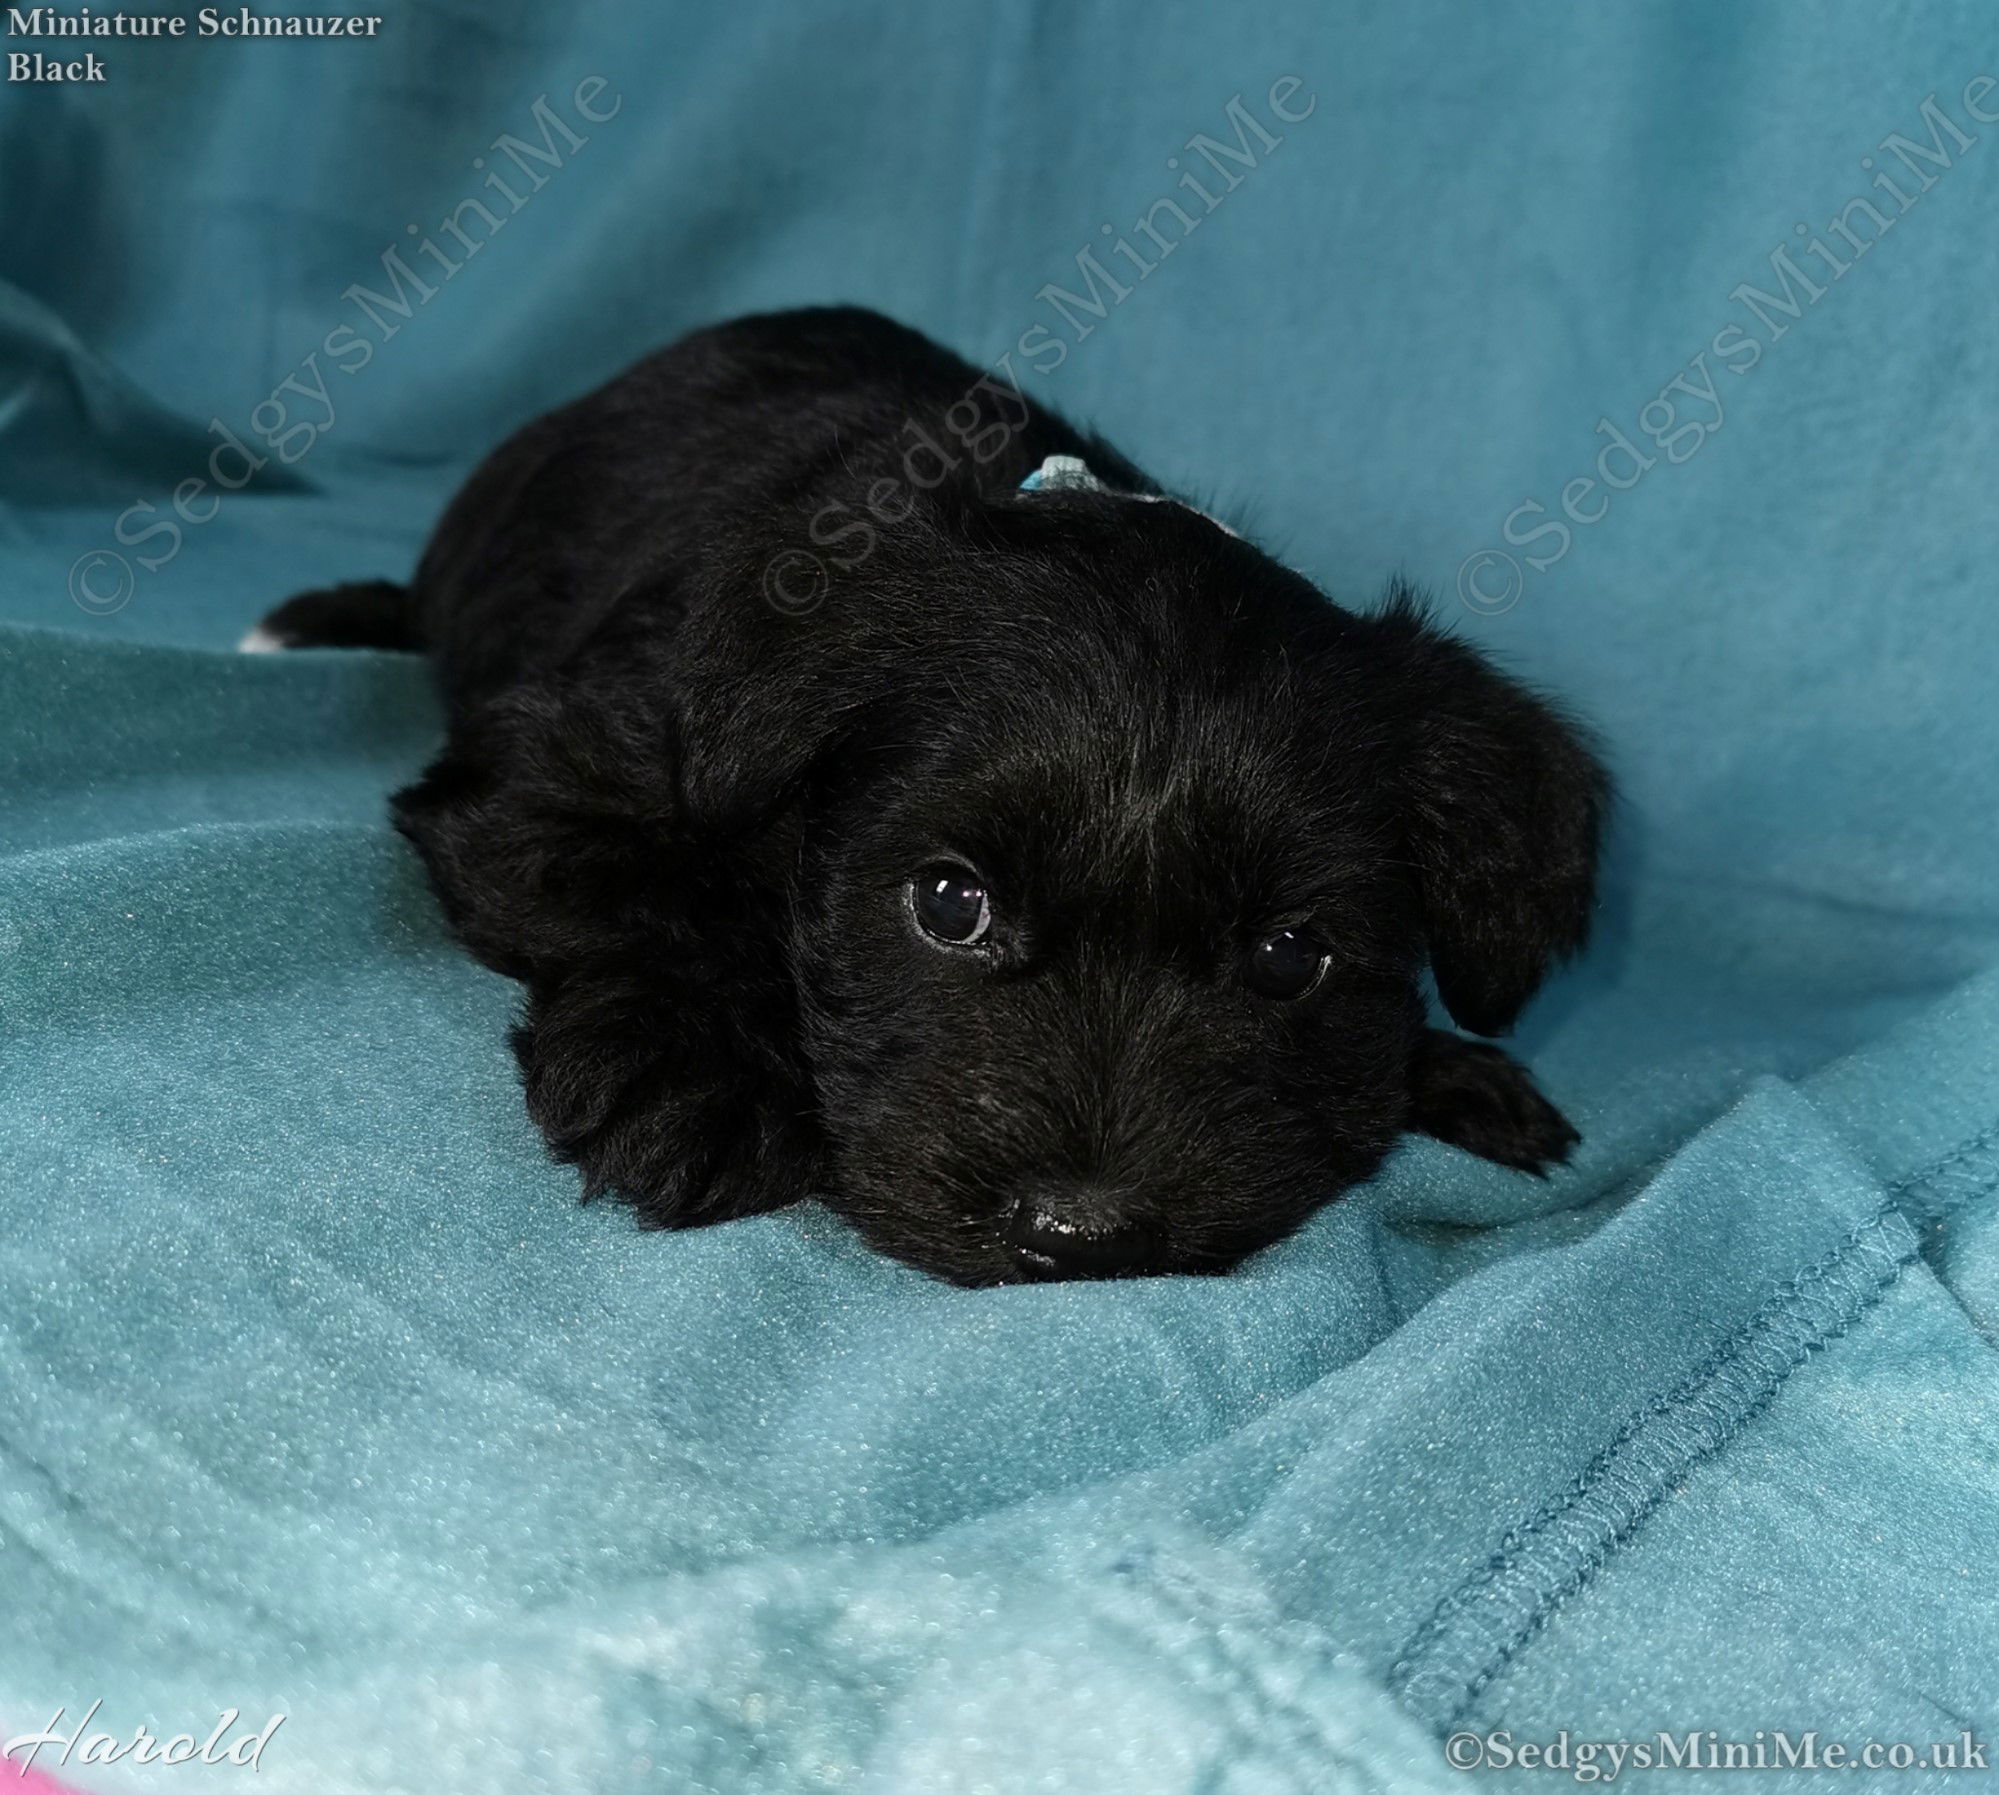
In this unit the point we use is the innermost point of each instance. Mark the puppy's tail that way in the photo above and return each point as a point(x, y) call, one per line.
point(364, 614)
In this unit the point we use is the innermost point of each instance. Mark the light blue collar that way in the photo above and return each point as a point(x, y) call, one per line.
point(1071, 473)
point(1063, 473)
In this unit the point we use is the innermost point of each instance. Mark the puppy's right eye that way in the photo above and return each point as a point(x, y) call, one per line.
point(950, 904)
point(1287, 965)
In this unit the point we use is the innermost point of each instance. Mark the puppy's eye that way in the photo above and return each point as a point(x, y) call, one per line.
point(950, 904)
point(1287, 965)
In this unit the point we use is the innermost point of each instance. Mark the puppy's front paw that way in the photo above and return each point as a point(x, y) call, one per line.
point(651, 1102)
point(1473, 1096)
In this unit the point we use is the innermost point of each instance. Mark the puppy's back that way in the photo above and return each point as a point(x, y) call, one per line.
point(745, 427)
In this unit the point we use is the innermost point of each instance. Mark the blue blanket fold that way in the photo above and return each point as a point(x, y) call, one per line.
point(320, 1395)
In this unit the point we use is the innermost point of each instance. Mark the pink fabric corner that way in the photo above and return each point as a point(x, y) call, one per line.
point(17, 1779)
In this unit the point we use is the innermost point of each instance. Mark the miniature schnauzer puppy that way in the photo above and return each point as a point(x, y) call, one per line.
point(883, 792)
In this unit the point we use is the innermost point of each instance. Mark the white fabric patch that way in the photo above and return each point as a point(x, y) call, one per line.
point(1070, 473)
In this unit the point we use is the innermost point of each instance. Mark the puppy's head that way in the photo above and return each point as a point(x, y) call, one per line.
point(1122, 852)
point(1052, 898)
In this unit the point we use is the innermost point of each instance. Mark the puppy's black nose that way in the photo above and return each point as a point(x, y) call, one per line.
point(1063, 1234)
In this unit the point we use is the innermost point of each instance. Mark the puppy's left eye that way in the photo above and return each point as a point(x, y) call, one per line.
point(950, 904)
point(1287, 965)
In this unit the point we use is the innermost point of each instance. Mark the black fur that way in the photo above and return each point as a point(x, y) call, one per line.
point(730, 657)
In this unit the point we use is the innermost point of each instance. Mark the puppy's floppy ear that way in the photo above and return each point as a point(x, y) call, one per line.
point(774, 698)
point(536, 825)
point(790, 654)
point(1505, 805)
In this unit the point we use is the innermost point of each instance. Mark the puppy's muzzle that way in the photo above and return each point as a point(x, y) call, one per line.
point(1070, 1233)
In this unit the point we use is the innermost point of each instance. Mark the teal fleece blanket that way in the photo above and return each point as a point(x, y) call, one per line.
point(321, 1398)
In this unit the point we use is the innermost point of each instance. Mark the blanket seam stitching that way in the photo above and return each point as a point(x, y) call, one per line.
point(1785, 1303)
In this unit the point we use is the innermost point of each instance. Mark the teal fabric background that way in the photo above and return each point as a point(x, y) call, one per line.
point(319, 1395)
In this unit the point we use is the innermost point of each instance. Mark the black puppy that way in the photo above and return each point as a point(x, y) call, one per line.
point(1042, 876)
